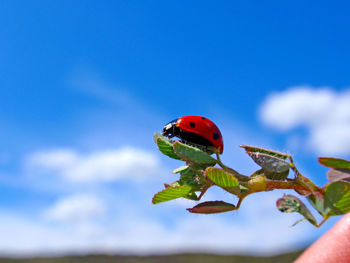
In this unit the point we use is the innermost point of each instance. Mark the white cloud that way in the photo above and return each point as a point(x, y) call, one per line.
point(106, 165)
point(324, 112)
point(90, 83)
point(54, 159)
point(257, 228)
point(76, 208)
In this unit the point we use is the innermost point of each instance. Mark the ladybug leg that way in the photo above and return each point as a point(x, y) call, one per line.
point(184, 141)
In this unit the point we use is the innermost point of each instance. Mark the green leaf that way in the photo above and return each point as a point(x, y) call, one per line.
point(189, 177)
point(223, 179)
point(335, 163)
point(338, 175)
point(277, 176)
point(271, 165)
point(258, 172)
point(340, 168)
point(171, 193)
point(291, 204)
point(337, 197)
point(180, 169)
point(212, 207)
point(318, 204)
point(288, 204)
point(165, 145)
point(192, 154)
point(273, 162)
point(188, 172)
point(269, 152)
point(191, 196)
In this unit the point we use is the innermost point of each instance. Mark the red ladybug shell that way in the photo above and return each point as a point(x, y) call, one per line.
point(196, 129)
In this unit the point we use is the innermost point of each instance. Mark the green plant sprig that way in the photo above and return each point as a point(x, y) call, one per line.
point(203, 171)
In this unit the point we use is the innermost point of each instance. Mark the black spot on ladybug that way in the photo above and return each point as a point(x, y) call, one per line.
point(203, 118)
point(216, 136)
point(192, 124)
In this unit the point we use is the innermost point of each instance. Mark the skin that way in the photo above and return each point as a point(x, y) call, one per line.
point(334, 246)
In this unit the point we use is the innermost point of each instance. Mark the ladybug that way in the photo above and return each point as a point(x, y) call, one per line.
point(197, 130)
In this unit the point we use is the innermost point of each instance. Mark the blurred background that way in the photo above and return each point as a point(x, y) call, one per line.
point(85, 84)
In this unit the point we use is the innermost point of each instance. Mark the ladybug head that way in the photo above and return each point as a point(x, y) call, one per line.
point(170, 129)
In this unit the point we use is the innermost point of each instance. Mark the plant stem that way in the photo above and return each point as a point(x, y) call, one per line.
point(204, 191)
point(272, 184)
point(297, 185)
point(322, 222)
point(239, 202)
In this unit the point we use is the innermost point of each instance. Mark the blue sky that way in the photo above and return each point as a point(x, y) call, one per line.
point(84, 85)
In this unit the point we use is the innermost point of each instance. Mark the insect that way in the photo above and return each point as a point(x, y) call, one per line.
point(196, 130)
